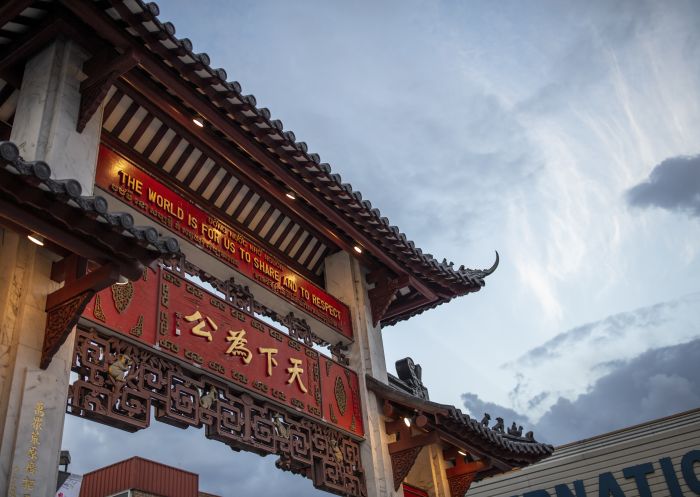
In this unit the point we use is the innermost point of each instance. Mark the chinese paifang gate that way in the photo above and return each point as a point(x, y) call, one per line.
point(169, 242)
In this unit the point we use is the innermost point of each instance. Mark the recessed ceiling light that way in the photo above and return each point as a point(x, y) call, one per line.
point(461, 452)
point(407, 421)
point(290, 194)
point(198, 121)
point(35, 238)
point(357, 249)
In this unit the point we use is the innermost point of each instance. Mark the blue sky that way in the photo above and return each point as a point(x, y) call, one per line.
point(562, 134)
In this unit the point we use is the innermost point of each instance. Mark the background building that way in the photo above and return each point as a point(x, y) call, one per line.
point(138, 477)
point(660, 458)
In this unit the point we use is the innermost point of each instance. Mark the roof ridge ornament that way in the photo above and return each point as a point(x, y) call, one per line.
point(480, 273)
point(490, 270)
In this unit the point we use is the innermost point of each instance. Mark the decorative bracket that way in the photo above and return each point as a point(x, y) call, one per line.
point(402, 462)
point(65, 305)
point(385, 287)
point(102, 71)
point(59, 323)
point(461, 476)
point(405, 450)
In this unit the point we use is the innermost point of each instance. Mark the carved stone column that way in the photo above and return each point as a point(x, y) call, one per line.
point(32, 401)
point(345, 280)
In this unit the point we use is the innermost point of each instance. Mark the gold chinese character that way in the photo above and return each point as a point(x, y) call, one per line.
point(199, 328)
point(35, 438)
point(295, 373)
point(37, 423)
point(32, 454)
point(28, 483)
point(30, 468)
point(271, 361)
point(238, 343)
point(39, 408)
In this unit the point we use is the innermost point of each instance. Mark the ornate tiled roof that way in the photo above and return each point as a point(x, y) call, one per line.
point(515, 451)
point(142, 20)
point(134, 28)
point(29, 185)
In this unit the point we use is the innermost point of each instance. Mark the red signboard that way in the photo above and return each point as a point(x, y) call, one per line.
point(204, 330)
point(130, 184)
point(164, 310)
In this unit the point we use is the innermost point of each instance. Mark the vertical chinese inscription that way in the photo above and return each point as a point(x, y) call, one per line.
point(30, 467)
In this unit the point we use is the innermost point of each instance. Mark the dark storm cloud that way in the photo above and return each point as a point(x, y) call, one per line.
point(657, 383)
point(673, 185)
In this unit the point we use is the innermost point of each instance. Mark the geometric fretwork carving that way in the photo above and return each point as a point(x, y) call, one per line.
point(459, 484)
point(463, 473)
point(60, 321)
point(402, 462)
point(328, 457)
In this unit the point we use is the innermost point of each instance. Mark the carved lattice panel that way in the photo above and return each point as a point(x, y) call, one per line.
point(118, 383)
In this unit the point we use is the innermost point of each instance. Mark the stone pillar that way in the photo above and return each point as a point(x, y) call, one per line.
point(32, 401)
point(346, 281)
point(47, 115)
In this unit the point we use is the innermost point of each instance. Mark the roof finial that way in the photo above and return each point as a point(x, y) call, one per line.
point(490, 270)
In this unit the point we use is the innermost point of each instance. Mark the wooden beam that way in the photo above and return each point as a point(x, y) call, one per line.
point(39, 35)
point(158, 103)
point(462, 467)
point(456, 442)
point(399, 309)
point(69, 268)
point(12, 9)
point(121, 148)
point(96, 280)
point(104, 64)
point(102, 71)
point(409, 442)
point(30, 43)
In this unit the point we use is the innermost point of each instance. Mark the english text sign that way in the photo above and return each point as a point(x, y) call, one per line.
point(130, 184)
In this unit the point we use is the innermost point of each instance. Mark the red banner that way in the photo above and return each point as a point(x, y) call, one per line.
point(133, 186)
point(179, 318)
